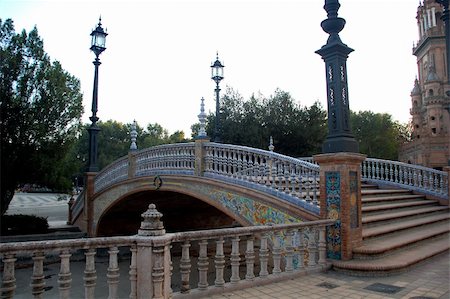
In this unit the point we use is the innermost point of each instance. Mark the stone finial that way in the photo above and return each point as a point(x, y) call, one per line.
point(133, 135)
point(151, 225)
point(271, 146)
point(202, 119)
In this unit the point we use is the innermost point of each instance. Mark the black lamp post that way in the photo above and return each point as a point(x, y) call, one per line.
point(97, 46)
point(335, 54)
point(217, 76)
point(446, 18)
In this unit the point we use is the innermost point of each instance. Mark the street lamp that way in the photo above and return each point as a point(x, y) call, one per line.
point(97, 46)
point(335, 54)
point(217, 76)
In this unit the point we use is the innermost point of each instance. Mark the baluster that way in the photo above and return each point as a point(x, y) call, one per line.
point(441, 183)
point(315, 201)
point(235, 260)
point(382, 166)
point(90, 275)
point(301, 248)
point(420, 178)
point(250, 259)
point(391, 173)
point(64, 276)
point(308, 187)
point(396, 173)
point(313, 248)
point(8, 278)
point(435, 188)
point(37, 280)
point(322, 247)
point(431, 181)
point(415, 182)
point(286, 176)
point(410, 177)
point(372, 169)
point(289, 249)
point(263, 256)
point(203, 264)
point(239, 165)
point(113, 272)
point(233, 165)
point(425, 180)
point(133, 273)
point(377, 165)
point(276, 253)
point(220, 263)
point(364, 169)
point(293, 178)
point(400, 174)
point(185, 267)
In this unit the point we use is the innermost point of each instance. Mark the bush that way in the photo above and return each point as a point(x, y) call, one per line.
point(23, 225)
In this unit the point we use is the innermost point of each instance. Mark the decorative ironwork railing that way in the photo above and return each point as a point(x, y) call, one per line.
point(169, 158)
point(412, 177)
point(288, 178)
point(269, 252)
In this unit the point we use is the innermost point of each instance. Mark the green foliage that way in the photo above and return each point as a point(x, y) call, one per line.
point(23, 225)
point(378, 135)
point(114, 142)
point(41, 107)
point(296, 130)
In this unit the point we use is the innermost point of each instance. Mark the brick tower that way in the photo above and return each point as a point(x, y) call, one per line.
point(430, 144)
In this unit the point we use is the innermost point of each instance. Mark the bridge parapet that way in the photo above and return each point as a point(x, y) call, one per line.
point(285, 177)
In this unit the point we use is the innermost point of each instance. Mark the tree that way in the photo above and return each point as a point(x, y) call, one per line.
point(296, 130)
point(378, 135)
point(41, 107)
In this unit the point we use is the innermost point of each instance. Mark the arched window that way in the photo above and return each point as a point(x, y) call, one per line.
point(430, 92)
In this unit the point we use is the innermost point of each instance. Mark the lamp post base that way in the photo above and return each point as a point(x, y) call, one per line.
point(340, 144)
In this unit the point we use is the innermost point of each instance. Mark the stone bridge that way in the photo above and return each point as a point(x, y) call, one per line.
point(203, 184)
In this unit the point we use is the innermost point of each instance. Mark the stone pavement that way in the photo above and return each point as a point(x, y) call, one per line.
point(428, 280)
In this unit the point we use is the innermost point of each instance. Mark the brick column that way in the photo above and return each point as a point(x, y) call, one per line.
point(153, 261)
point(200, 155)
point(88, 210)
point(340, 199)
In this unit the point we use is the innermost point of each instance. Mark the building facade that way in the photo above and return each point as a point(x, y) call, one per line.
point(430, 143)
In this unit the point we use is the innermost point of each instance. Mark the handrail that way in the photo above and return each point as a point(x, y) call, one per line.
point(285, 177)
point(412, 177)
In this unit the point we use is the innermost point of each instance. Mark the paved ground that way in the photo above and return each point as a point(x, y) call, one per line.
point(425, 281)
point(51, 205)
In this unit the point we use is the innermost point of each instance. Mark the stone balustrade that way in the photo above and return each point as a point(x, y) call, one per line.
point(220, 259)
point(285, 177)
point(413, 177)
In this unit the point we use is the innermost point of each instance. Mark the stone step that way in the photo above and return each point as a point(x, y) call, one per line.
point(369, 200)
point(396, 215)
point(387, 243)
point(395, 263)
point(383, 192)
point(381, 230)
point(382, 208)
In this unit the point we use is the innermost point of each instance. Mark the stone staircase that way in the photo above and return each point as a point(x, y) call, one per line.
point(400, 229)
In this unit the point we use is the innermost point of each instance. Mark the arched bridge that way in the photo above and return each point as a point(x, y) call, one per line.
point(232, 185)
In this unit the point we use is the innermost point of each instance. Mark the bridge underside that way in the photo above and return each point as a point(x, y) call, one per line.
point(181, 213)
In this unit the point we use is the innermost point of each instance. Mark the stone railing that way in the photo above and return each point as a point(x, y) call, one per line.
point(113, 173)
point(287, 178)
point(412, 177)
point(176, 158)
point(268, 253)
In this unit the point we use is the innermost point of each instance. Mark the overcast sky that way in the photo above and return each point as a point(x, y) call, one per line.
point(156, 67)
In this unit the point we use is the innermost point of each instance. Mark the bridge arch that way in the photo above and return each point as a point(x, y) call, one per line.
point(242, 205)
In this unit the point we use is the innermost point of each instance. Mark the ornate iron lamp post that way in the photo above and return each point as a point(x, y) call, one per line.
point(335, 54)
point(97, 46)
point(217, 76)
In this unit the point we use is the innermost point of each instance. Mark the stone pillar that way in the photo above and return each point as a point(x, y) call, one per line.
point(131, 164)
point(340, 200)
point(200, 155)
point(88, 210)
point(153, 257)
point(447, 169)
